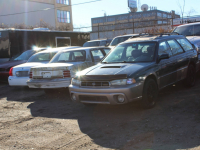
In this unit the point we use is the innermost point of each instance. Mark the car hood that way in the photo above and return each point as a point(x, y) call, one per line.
point(194, 40)
point(115, 69)
point(10, 64)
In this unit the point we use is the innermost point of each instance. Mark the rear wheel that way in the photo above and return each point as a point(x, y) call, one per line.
point(150, 94)
point(191, 76)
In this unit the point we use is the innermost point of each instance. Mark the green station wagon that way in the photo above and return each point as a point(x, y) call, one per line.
point(136, 70)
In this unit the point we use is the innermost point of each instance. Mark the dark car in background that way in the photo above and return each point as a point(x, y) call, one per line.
point(192, 33)
point(122, 38)
point(136, 70)
point(103, 42)
point(5, 67)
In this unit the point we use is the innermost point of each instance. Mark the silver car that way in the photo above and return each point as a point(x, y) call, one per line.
point(63, 66)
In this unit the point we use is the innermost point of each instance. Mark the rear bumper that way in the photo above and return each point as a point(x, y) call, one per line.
point(17, 81)
point(49, 83)
point(107, 95)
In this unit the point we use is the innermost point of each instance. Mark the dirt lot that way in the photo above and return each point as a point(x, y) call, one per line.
point(29, 119)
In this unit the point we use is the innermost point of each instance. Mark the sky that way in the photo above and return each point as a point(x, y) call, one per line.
point(83, 13)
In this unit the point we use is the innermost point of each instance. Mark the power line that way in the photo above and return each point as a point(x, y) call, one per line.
point(49, 8)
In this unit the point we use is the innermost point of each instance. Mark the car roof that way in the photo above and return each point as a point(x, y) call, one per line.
point(98, 40)
point(48, 50)
point(126, 35)
point(85, 48)
point(153, 38)
point(189, 24)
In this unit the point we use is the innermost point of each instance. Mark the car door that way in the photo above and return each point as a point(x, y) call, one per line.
point(181, 58)
point(184, 58)
point(167, 71)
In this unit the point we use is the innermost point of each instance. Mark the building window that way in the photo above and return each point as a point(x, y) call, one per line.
point(63, 16)
point(65, 2)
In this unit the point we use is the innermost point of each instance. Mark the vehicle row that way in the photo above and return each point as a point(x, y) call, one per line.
point(135, 70)
point(54, 68)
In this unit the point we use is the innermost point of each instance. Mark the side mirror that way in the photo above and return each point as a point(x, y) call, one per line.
point(107, 44)
point(163, 56)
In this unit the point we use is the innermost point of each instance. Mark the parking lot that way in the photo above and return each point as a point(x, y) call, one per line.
point(30, 119)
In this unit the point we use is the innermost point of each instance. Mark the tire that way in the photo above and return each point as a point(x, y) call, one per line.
point(150, 94)
point(191, 76)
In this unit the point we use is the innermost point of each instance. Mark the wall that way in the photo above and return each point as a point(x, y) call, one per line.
point(33, 18)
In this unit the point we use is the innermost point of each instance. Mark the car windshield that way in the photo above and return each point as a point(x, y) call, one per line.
point(188, 30)
point(25, 55)
point(119, 40)
point(69, 56)
point(40, 57)
point(91, 44)
point(132, 52)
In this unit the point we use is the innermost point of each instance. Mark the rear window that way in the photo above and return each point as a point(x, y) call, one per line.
point(91, 44)
point(69, 56)
point(40, 57)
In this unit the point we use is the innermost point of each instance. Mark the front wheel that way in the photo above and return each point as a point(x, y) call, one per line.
point(191, 76)
point(150, 94)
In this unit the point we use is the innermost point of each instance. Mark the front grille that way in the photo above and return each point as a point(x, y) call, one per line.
point(22, 74)
point(93, 98)
point(95, 83)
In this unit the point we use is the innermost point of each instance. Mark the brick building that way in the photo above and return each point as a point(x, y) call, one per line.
point(132, 22)
point(55, 13)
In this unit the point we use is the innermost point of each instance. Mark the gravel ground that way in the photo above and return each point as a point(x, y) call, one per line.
point(30, 119)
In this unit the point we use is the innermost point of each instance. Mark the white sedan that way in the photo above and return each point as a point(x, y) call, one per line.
point(20, 73)
point(59, 71)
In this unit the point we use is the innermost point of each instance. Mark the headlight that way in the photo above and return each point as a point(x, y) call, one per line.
point(123, 81)
point(75, 82)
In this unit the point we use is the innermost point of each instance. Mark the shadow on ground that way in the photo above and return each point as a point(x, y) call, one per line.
point(172, 124)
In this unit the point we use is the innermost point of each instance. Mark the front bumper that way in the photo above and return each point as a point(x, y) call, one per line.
point(99, 95)
point(49, 83)
point(17, 81)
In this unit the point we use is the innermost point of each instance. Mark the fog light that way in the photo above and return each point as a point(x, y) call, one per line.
point(73, 97)
point(120, 98)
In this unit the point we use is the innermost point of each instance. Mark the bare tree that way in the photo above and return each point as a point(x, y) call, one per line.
point(191, 11)
point(182, 8)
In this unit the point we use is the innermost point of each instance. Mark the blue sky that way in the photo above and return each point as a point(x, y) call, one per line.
point(82, 14)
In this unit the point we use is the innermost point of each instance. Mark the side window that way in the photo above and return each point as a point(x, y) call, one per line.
point(175, 47)
point(78, 56)
point(64, 56)
point(106, 51)
point(185, 44)
point(97, 55)
point(164, 49)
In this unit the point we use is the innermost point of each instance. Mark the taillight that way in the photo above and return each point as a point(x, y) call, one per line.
point(10, 72)
point(66, 74)
point(30, 75)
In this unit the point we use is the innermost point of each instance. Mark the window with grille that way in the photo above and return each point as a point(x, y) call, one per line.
point(63, 16)
point(65, 2)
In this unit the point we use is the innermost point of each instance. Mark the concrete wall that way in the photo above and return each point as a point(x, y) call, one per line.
point(33, 18)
